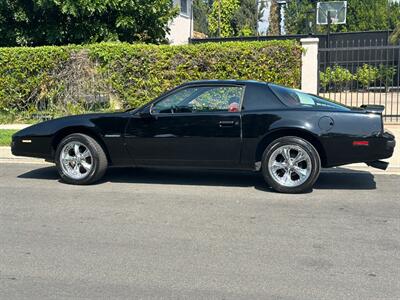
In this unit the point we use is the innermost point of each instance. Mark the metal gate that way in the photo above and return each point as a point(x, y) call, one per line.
point(359, 73)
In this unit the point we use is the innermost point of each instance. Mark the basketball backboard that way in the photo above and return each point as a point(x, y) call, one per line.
point(337, 10)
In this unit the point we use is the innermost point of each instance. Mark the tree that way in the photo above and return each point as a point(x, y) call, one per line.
point(201, 9)
point(362, 15)
point(243, 22)
point(394, 20)
point(220, 19)
point(395, 37)
point(54, 22)
point(365, 15)
point(247, 16)
point(273, 28)
point(394, 15)
point(297, 16)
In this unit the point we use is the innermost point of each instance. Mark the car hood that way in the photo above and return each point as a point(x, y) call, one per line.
point(51, 126)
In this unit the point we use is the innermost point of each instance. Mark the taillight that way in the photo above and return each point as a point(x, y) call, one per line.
point(360, 143)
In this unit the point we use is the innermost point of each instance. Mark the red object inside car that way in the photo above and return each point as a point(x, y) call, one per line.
point(233, 107)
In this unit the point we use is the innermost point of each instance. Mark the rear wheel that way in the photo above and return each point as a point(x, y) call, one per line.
point(291, 165)
point(80, 159)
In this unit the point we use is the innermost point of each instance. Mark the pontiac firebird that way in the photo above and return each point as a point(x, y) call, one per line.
point(286, 134)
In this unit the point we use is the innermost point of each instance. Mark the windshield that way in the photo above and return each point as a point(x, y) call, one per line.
point(296, 98)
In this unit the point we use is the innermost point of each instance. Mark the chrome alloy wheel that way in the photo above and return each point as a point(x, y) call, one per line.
point(76, 160)
point(290, 165)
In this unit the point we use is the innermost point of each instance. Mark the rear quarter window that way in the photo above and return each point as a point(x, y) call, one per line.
point(297, 99)
point(260, 97)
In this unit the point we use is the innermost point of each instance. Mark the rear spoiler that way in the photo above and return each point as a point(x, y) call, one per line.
point(372, 108)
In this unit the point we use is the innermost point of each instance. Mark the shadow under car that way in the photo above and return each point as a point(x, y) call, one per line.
point(340, 178)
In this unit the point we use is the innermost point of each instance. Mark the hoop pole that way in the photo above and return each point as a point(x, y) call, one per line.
point(328, 38)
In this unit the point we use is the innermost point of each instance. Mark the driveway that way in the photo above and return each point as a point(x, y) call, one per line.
point(155, 234)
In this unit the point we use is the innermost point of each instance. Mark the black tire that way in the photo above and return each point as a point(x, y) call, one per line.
point(305, 146)
point(98, 161)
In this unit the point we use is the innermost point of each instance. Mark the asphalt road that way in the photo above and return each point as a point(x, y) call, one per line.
point(188, 234)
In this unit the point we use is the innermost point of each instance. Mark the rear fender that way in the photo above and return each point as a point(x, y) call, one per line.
point(290, 131)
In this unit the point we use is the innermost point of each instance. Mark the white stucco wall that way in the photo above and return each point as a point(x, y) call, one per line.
point(309, 65)
point(181, 27)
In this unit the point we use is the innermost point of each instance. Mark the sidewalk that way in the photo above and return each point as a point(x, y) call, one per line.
point(14, 126)
point(7, 157)
point(394, 161)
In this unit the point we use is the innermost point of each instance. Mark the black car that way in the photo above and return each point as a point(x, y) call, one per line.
point(221, 124)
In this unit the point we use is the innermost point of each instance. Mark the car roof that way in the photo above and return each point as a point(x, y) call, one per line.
point(224, 81)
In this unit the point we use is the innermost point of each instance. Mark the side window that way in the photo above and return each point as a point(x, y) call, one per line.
point(201, 99)
point(260, 97)
point(184, 7)
point(218, 99)
point(295, 98)
point(171, 102)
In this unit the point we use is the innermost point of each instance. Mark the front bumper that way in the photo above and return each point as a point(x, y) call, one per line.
point(31, 146)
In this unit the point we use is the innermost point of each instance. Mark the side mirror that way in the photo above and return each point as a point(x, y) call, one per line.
point(145, 113)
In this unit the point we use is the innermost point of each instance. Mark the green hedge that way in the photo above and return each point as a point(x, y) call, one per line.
point(26, 76)
point(60, 80)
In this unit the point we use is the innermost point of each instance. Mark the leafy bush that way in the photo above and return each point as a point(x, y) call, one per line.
point(366, 75)
point(338, 76)
point(139, 73)
point(341, 76)
point(63, 80)
point(26, 76)
point(386, 75)
point(325, 78)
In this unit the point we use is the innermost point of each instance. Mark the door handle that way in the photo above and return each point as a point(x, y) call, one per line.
point(226, 123)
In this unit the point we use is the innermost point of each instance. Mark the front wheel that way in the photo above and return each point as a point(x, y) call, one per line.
point(291, 165)
point(80, 159)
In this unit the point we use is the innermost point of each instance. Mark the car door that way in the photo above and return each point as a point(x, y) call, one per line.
point(193, 126)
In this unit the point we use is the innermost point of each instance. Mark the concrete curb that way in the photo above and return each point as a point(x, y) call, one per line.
point(6, 156)
point(357, 168)
point(30, 161)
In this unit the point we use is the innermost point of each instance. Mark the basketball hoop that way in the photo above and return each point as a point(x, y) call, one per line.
point(336, 11)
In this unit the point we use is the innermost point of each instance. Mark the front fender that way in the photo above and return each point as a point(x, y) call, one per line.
point(41, 140)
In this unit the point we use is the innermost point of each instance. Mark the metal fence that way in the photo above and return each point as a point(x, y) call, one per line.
point(375, 37)
point(362, 72)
